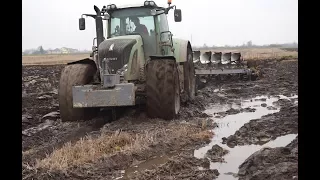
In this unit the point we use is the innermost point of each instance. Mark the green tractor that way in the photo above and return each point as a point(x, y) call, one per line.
point(135, 61)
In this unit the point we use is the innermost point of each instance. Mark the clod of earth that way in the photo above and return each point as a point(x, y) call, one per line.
point(51, 115)
point(216, 152)
point(271, 163)
point(264, 105)
point(44, 97)
point(248, 109)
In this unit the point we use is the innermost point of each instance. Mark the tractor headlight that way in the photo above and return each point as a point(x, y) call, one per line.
point(122, 70)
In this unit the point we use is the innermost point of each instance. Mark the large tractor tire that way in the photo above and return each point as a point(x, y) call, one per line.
point(75, 74)
point(189, 76)
point(163, 89)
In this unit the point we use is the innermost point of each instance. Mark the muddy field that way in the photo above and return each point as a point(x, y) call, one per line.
point(233, 130)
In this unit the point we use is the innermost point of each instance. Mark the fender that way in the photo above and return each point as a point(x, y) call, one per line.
point(180, 49)
point(84, 61)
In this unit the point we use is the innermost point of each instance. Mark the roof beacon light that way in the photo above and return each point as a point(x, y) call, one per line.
point(169, 2)
point(146, 3)
point(152, 3)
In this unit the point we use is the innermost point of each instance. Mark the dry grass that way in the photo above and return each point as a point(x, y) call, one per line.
point(51, 59)
point(91, 149)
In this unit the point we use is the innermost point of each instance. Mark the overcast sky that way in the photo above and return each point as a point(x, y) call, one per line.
point(54, 23)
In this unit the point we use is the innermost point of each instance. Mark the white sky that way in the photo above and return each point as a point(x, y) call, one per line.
point(54, 23)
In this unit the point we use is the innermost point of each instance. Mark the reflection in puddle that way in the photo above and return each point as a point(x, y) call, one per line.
point(231, 123)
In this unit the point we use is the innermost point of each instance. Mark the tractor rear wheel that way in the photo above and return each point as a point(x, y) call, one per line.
point(189, 76)
point(74, 74)
point(163, 89)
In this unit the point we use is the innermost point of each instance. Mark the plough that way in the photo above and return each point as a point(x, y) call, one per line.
point(219, 65)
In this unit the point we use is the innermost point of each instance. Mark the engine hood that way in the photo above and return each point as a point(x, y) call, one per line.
point(116, 51)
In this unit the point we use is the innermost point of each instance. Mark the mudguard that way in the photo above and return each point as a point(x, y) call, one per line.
point(84, 61)
point(180, 49)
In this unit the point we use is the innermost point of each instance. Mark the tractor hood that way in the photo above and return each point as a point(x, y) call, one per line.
point(115, 52)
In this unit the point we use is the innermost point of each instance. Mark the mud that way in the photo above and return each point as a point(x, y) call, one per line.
point(43, 132)
point(215, 153)
point(272, 163)
point(179, 167)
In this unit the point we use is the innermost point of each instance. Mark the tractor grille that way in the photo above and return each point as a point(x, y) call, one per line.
point(116, 53)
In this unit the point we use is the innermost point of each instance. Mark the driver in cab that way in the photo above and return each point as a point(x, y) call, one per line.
point(140, 28)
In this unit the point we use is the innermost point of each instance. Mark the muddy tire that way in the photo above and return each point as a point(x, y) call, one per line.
point(189, 76)
point(74, 74)
point(163, 89)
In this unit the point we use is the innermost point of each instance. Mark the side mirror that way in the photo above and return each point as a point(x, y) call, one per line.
point(82, 24)
point(177, 15)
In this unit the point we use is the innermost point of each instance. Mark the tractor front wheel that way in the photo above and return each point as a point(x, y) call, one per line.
point(71, 75)
point(163, 89)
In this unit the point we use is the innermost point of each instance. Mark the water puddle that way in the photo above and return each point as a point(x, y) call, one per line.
point(239, 154)
point(229, 124)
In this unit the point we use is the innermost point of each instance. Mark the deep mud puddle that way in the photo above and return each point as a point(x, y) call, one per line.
point(235, 115)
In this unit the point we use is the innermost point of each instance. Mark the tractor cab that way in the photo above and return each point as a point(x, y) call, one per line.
point(146, 20)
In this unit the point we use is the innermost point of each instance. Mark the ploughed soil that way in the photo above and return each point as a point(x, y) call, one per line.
point(105, 149)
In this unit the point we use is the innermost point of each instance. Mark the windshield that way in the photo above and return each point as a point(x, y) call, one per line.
point(131, 21)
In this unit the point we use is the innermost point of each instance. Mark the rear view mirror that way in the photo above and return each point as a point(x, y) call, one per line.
point(82, 24)
point(177, 15)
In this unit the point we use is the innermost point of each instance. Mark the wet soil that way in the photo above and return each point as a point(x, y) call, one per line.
point(272, 163)
point(43, 134)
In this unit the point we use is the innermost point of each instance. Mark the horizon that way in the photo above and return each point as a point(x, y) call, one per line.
point(199, 46)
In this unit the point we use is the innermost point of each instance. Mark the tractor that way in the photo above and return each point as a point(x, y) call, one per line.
point(128, 67)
